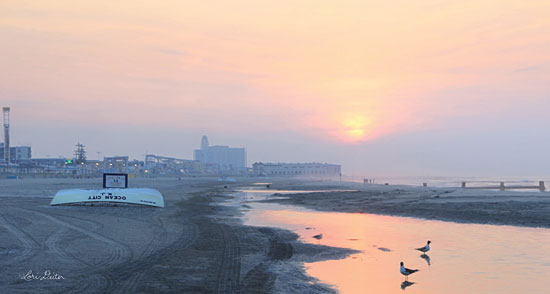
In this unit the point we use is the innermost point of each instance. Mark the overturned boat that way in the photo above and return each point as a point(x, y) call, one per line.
point(141, 196)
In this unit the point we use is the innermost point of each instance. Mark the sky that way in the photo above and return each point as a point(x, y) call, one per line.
point(423, 88)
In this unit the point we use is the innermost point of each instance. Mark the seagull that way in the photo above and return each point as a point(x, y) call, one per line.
point(318, 237)
point(425, 248)
point(406, 271)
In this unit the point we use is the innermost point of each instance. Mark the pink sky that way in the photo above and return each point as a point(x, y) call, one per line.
point(349, 76)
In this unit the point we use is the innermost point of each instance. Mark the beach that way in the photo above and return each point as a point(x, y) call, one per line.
point(527, 208)
point(197, 245)
point(193, 245)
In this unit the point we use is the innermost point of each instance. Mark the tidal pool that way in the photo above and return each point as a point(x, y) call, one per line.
point(464, 258)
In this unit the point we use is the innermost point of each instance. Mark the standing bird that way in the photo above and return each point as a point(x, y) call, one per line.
point(425, 248)
point(406, 271)
point(318, 237)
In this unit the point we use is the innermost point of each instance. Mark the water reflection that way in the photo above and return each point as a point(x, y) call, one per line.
point(426, 257)
point(470, 258)
point(406, 284)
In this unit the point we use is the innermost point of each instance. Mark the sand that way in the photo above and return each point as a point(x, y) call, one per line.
point(197, 245)
point(193, 245)
point(529, 208)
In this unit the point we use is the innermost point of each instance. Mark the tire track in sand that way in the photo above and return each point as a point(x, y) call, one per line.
point(121, 252)
point(230, 268)
point(52, 244)
point(129, 273)
point(98, 280)
point(130, 283)
point(30, 245)
point(161, 237)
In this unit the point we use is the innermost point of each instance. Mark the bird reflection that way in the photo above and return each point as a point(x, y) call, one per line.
point(406, 284)
point(426, 257)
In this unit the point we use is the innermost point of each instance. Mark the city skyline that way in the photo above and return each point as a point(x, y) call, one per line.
point(379, 88)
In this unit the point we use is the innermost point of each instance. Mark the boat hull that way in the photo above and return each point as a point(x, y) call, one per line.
point(142, 196)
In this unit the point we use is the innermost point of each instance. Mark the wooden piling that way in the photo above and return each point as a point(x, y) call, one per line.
point(502, 187)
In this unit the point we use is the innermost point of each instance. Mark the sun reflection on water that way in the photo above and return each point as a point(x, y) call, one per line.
point(465, 258)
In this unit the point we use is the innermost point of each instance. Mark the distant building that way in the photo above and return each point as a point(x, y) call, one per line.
point(115, 164)
point(170, 165)
point(312, 170)
point(48, 162)
point(17, 153)
point(225, 157)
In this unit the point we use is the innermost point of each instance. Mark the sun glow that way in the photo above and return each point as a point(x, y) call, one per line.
point(355, 128)
point(347, 73)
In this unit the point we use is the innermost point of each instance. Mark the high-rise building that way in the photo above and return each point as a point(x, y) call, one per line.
point(225, 157)
point(204, 143)
point(17, 153)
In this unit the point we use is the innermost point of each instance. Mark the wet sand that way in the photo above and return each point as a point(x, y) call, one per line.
point(197, 245)
point(529, 209)
point(194, 245)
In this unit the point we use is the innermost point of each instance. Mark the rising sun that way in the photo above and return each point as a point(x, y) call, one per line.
point(355, 128)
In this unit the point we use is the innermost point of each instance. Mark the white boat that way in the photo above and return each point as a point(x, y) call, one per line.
point(142, 196)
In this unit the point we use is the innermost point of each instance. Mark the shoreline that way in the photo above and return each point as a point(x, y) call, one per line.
point(193, 245)
point(525, 209)
point(196, 244)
